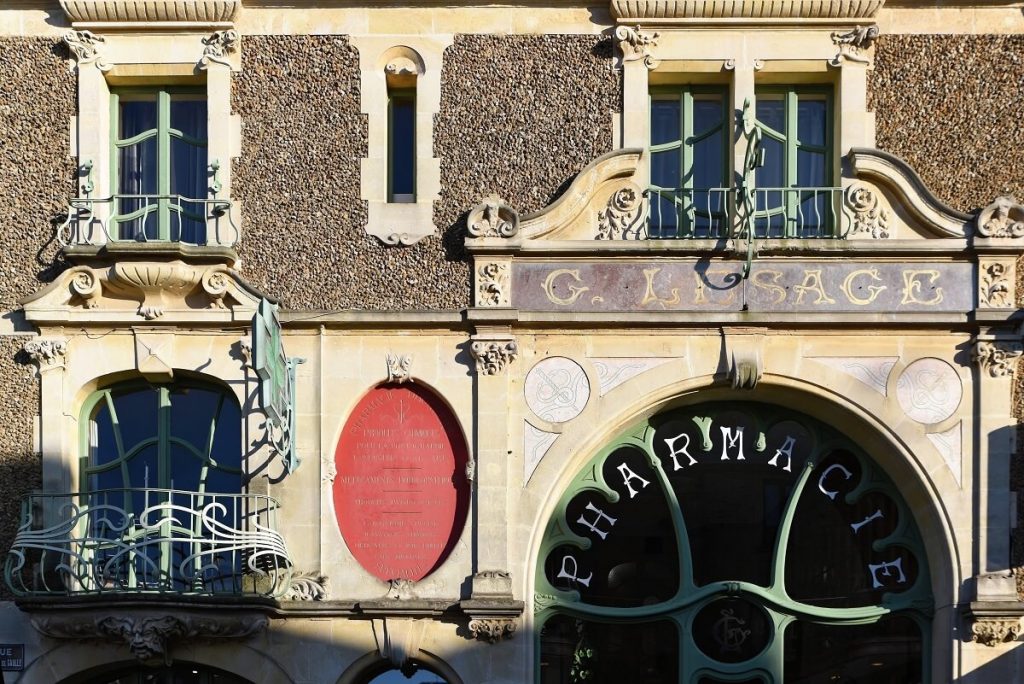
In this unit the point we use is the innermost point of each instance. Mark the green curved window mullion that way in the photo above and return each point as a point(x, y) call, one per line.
point(697, 137)
point(771, 132)
point(778, 576)
point(686, 585)
point(665, 147)
point(185, 137)
point(136, 139)
point(136, 214)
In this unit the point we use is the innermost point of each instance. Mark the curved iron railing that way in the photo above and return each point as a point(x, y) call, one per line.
point(148, 541)
point(132, 218)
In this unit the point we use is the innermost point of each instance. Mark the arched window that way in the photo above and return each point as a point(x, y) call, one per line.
point(732, 542)
point(178, 673)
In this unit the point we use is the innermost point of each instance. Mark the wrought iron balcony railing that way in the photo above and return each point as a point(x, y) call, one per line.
point(148, 218)
point(148, 541)
point(715, 213)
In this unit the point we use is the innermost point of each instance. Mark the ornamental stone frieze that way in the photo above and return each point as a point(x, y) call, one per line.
point(162, 292)
point(147, 636)
point(997, 358)
point(150, 11)
point(744, 9)
point(493, 356)
point(1004, 218)
point(996, 282)
point(492, 285)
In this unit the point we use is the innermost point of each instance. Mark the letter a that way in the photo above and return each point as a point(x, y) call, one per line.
point(628, 476)
point(785, 450)
point(601, 515)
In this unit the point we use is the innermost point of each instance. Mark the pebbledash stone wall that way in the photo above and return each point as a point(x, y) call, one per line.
point(37, 101)
point(298, 176)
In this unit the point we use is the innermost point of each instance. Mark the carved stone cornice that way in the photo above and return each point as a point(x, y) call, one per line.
point(493, 285)
point(149, 637)
point(632, 10)
point(997, 358)
point(158, 291)
point(636, 44)
point(492, 217)
point(492, 355)
point(399, 368)
point(85, 50)
point(150, 11)
point(1004, 218)
point(48, 354)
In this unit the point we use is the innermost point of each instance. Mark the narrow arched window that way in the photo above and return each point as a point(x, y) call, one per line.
point(401, 73)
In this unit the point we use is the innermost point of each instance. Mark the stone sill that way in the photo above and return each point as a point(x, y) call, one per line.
point(100, 255)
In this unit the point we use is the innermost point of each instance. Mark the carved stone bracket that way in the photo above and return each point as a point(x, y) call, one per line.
point(621, 218)
point(992, 631)
point(492, 356)
point(492, 217)
point(399, 368)
point(996, 284)
point(217, 48)
point(150, 637)
point(493, 613)
point(870, 218)
point(853, 44)
point(744, 351)
point(995, 618)
point(997, 357)
point(308, 586)
point(48, 354)
point(492, 630)
point(1004, 218)
point(635, 44)
point(85, 49)
point(493, 285)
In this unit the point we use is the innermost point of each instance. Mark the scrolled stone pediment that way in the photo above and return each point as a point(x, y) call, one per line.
point(155, 291)
point(150, 11)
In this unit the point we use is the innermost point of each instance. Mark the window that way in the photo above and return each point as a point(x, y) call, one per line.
point(689, 162)
point(794, 197)
point(159, 164)
point(732, 542)
point(402, 145)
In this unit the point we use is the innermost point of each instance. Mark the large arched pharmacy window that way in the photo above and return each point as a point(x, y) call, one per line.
point(164, 464)
point(734, 542)
point(178, 673)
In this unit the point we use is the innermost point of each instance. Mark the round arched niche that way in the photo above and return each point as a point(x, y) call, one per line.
point(401, 492)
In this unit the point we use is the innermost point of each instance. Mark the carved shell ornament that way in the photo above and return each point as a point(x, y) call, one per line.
point(1004, 218)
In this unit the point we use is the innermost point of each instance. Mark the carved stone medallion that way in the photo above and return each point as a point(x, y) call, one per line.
point(557, 389)
point(929, 390)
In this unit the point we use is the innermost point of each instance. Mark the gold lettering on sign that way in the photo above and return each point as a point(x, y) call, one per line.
point(770, 283)
point(812, 283)
point(874, 290)
point(912, 287)
point(575, 292)
point(701, 279)
point(650, 297)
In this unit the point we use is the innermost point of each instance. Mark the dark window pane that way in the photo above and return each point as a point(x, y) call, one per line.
point(137, 116)
point(137, 175)
point(707, 113)
point(665, 210)
point(771, 111)
point(633, 558)
point(810, 169)
point(403, 153)
point(708, 167)
point(665, 169)
point(188, 115)
point(574, 650)
point(811, 121)
point(887, 652)
point(665, 121)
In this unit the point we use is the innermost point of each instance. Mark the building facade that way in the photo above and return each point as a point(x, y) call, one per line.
point(556, 341)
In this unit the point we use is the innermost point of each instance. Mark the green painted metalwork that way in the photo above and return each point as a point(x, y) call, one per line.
point(277, 376)
point(736, 437)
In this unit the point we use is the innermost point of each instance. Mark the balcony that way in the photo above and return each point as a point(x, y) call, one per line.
point(773, 213)
point(148, 542)
point(158, 219)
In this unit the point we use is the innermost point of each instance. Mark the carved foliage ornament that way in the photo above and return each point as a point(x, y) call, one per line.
point(308, 586)
point(870, 218)
point(1004, 218)
point(399, 368)
point(619, 220)
point(635, 44)
point(492, 217)
point(492, 630)
point(492, 285)
point(492, 356)
point(84, 46)
point(47, 353)
point(217, 48)
point(995, 288)
point(148, 637)
point(997, 357)
point(853, 44)
point(993, 631)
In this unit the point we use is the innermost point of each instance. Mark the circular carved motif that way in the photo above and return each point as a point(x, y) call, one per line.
point(929, 390)
point(557, 389)
point(731, 630)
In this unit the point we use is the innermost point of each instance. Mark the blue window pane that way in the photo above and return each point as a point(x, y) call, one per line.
point(771, 112)
point(188, 181)
point(665, 121)
point(137, 116)
point(811, 121)
point(188, 115)
point(664, 219)
point(708, 166)
point(665, 169)
point(773, 173)
point(707, 114)
point(810, 169)
point(403, 157)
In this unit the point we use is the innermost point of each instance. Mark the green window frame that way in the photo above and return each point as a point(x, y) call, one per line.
point(149, 204)
point(401, 145)
point(697, 159)
point(731, 555)
point(792, 200)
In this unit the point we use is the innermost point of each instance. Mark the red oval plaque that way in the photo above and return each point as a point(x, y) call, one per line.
point(400, 492)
